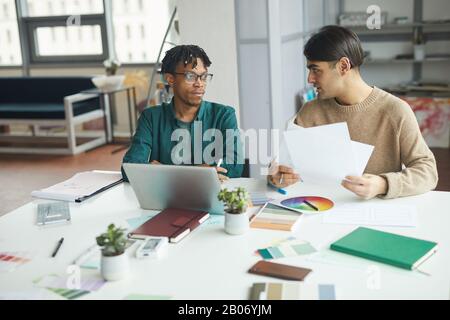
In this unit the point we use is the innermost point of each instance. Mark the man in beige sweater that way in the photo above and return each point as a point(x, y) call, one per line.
point(401, 163)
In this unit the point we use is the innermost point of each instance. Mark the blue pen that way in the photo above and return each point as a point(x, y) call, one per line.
point(279, 190)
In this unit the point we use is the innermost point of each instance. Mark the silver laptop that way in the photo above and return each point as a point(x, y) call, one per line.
point(166, 186)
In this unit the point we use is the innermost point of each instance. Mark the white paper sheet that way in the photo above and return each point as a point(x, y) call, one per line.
point(320, 158)
point(323, 154)
point(372, 214)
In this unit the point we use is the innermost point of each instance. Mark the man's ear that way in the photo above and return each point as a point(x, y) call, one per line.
point(170, 79)
point(344, 65)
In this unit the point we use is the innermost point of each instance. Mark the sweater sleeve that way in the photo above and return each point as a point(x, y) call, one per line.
point(141, 145)
point(419, 174)
point(233, 160)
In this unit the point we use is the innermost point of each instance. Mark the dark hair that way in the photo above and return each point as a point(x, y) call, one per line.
point(187, 54)
point(332, 43)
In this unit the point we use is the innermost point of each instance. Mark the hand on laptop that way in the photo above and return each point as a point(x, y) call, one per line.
point(367, 187)
point(222, 177)
point(282, 176)
point(219, 170)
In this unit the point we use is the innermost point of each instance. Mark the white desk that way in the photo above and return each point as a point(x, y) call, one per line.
point(209, 264)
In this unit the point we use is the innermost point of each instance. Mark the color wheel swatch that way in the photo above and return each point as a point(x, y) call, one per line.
point(308, 204)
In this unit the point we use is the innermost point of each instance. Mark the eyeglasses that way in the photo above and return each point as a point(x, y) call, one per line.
point(192, 77)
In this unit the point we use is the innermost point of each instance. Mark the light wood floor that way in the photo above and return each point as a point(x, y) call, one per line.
point(21, 174)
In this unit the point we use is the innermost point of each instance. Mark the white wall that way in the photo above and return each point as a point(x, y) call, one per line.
point(210, 24)
point(271, 64)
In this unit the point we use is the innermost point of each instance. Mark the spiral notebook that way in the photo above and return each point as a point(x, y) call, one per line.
point(81, 186)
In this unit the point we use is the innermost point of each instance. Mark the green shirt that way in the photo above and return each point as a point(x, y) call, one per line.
point(155, 138)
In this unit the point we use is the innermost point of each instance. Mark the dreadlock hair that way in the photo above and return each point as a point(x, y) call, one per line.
point(186, 54)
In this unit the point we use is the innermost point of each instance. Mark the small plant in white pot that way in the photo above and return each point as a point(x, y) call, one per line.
point(114, 261)
point(236, 204)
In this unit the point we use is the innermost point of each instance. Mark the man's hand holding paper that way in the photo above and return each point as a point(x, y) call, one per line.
point(326, 154)
point(368, 186)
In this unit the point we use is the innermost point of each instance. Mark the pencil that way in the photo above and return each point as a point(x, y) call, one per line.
point(311, 205)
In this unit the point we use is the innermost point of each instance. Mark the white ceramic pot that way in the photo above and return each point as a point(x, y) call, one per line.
point(419, 52)
point(114, 268)
point(108, 83)
point(236, 224)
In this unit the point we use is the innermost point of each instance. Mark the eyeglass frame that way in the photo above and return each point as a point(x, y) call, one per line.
point(197, 76)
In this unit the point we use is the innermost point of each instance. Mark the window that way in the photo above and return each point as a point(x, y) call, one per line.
point(128, 30)
point(150, 20)
point(74, 41)
point(5, 10)
point(59, 29)
point(142, 31)
point(10, 53)
point(46, 8)
point(8, 36)
point(69, 31)
point(50, 8)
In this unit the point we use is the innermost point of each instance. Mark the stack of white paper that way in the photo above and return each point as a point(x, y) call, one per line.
point(80, 185)
point(323, 154)
point(373, 214)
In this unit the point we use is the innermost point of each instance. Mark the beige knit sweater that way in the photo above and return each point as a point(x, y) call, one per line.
point(389, 124)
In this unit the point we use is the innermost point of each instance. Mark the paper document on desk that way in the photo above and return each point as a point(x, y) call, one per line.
point(323, 154)
point(81, 185)
point(373, 214)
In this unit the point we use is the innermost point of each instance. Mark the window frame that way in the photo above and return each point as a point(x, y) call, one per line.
point(33, 23)
point(27, 37)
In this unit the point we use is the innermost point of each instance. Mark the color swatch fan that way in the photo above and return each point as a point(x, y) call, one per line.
point(307, 204)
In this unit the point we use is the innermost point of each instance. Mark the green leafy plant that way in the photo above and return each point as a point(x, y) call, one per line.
point(113, 241)
point(418, 37)
point(235, 201)
point(111, 66)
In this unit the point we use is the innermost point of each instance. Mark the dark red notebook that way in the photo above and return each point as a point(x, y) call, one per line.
point(172, 223)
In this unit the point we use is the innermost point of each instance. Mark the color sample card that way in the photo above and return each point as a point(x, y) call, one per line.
point(259, 198)
point(274, 217)
point(135, 296)
point(292, 291)
point(57, 282)
point(9, 261)
point(69, 293)
point(289, 248)
point(308, 204)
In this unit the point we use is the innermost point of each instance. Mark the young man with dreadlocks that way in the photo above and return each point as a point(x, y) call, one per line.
point(401, 163)
point(185, 68)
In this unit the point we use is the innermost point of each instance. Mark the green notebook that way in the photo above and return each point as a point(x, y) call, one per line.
point(399, 251)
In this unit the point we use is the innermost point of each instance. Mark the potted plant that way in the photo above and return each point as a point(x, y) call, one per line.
point(114, 261)
point(236, 204)
point(111, 66)
point(418, 45)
